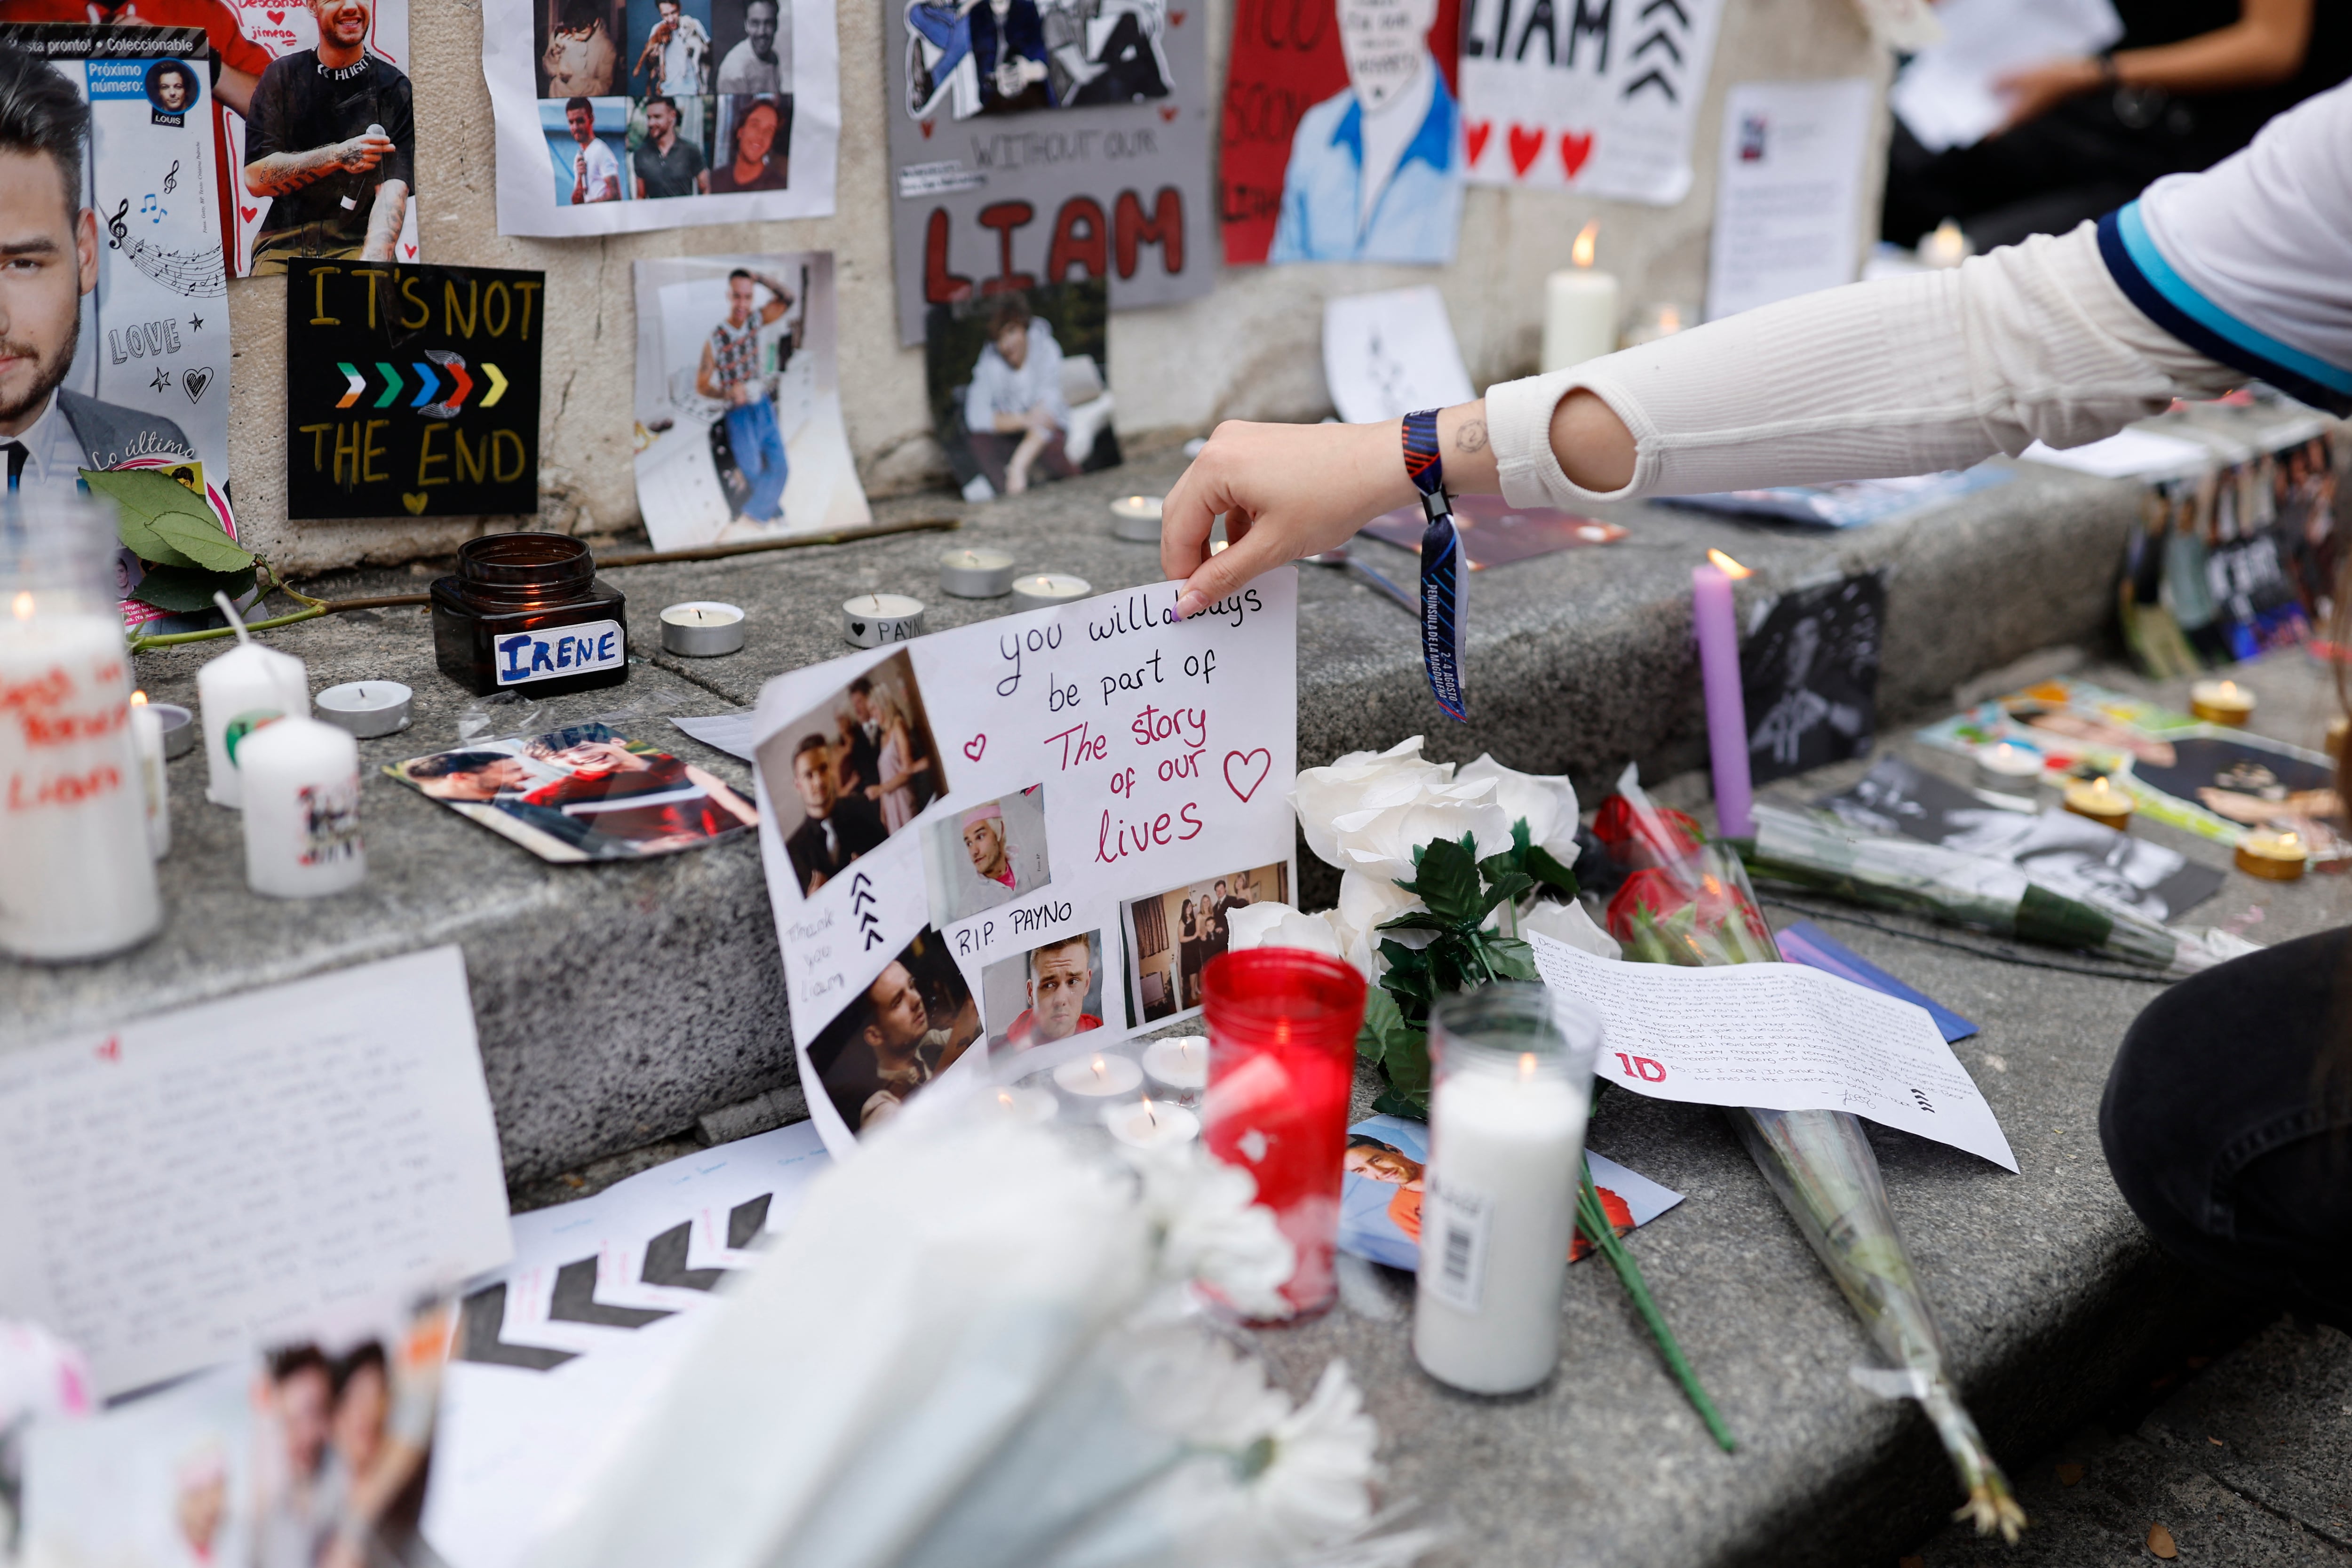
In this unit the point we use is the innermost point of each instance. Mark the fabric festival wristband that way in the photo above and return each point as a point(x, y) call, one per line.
point(1441, 566)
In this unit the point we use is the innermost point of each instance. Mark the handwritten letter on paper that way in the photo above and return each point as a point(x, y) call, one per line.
point(1779, 1036)
point(172, 1190)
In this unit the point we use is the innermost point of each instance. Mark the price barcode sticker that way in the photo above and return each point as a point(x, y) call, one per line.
point(1454, 1220)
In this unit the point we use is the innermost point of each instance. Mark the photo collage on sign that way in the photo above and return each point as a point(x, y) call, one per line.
point(656, 100)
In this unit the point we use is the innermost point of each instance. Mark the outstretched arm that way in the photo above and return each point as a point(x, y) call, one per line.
point(281, 174)
point(391, 210)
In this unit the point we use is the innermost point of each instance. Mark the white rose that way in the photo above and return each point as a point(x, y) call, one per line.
point(1380, 843)
point(1361, 781)
point(1547, 801)
point(1568, 923)
point(1364, 903)
point(1271, 924)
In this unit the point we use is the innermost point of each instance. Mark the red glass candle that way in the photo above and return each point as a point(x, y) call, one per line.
point(1282, 1059)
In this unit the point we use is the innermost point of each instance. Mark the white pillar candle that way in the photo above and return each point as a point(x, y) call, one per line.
point(1179, 1065)
point(1099, 1077)
point(247, 685)
point(1047, 589)
point(1581, 306)
point(301, 785)
point(154, 787)
point(76, 880)
point(870, 620)
point(1150, 1124)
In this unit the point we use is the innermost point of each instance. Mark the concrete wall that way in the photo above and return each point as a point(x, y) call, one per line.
point(1250, 350)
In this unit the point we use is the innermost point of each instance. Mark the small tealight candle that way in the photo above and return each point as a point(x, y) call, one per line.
point(1136, 519)
point(147, 739)
point(2276, 856)
point(872, 620)
point(365, 709)
point(2100, 800)
point(1148, 1124)
point(1099, 1077)
point(1024, 1104)
point(181, 731)
point(973, 572)
point(1047, 589)
point(302, 783)
point(702, 628)
point(2222, 702)
point(1180, 1065)
point(2007, 768)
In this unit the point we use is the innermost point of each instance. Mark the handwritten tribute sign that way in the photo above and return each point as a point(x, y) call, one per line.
point(1021, 835)
point(412, 389)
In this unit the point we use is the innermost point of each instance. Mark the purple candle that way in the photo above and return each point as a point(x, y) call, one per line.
point(1726, 707)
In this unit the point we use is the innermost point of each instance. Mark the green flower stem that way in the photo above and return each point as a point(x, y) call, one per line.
point(173, 639)
point(1593, 1220)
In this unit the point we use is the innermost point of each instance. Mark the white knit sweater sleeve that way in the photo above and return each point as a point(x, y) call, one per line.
point(1906, 375)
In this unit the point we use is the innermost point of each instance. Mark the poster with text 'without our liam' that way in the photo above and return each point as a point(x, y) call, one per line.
point(1022, 836)
point(1600, 100)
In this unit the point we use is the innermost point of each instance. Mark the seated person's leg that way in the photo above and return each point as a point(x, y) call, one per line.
point(991, 451)
point(2228, 1122)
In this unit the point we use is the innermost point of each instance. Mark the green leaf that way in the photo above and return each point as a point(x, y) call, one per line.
point(1545, 869)
point(1392, 1104)
point(202, 540)
point(1510, 958)
point(1448, 882)
point(1418, 919)
point(1406, 1064)
point(145, 493)
point(182, 589)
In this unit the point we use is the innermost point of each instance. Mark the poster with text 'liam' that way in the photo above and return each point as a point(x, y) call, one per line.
point(1045, 771)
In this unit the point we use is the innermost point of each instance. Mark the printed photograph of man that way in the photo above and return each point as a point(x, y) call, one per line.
point(755, 44)
point(171, 89)
point(755, 135)
point(835, 828)
point(663, 160)
point(595, 171)
point(1375, 171)
point(331, 142)
point(47, 432)
point(585, 792)
point(239, 60)
point(862, 765)
point(730, 373)
point(675, 57)
point(910, 1024)
point(1050, 993)
point(1172, 936)
point(1017, 387)
point(986, 855)
point(579, 51)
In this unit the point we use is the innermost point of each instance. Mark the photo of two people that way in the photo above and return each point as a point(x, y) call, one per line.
point(1173, 935)
point(585, 792)
point(909, 1024)
point(845, 776)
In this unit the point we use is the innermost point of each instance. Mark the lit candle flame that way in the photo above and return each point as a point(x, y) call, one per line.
point(1526, 1064)
point(22, 606)
point(1005, 1098)
point(2289, 841)
point(139, 700)
point(1148, 1114)
point(1670, 321)
point(1098, 1067)
point(1727, 566)
point(1581, 254)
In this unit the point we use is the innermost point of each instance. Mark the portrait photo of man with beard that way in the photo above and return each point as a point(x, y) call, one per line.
point(48, 241)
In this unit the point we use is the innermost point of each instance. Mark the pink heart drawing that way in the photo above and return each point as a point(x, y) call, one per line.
point(1475, 135)
point(248, 214)
point(1525, 145)
point(1261, 758)
point(411, 251)
point(975, 746)
point(927, 129)
point(277, 18)
point(1168, 112)
point(1175, 18)
point(1573, 150)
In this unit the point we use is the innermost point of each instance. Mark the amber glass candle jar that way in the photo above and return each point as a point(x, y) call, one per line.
point(526, 612)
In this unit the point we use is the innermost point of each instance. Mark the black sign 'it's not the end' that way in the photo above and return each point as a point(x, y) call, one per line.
point(412, 389)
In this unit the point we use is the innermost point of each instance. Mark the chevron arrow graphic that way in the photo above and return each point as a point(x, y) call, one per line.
point(432, 387)
point(497, 385)
point(480, 1321)
point(574, 1302)
point(453, 365)
point(390, 385)
point(666, 1262)
point(358, 385)
point(748, 1221)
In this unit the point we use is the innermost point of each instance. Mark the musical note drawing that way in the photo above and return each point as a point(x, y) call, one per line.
point(152, 210)
point(172, 180)
point(116, 227)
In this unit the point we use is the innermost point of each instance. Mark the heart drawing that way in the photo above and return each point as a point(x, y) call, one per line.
point(927, 129)
point(1473, 136)
point(194, 383)
point(1168, 112)
point(858, 629)
point(975, 746)
point(1525, 145)
point(277, 18)
point(248, 214)
point(1573, 150)
point(1261, 760)
point(415, 501)
point(411, 251)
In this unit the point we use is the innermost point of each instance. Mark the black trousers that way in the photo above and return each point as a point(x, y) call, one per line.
point(2228, 1122)
point(2079, 160)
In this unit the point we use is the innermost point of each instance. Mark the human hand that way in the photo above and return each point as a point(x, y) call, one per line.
point(2036, 90)
point(1285, 490)
point(363, 151)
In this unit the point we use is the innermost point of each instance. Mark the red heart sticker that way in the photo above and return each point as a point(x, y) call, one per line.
point(1262, 758)
point(975, 746)
point(248, 214)
point(1525, 145)
point(411, 251)
point(1475, 135)
point(927, 129)
point(277, 18)
point(1573, 150)
point(1168, 112)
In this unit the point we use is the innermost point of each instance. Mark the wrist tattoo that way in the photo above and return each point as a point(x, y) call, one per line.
point(1471, 438)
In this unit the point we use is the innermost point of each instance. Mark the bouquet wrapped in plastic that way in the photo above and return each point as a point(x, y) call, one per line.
point(1818, 1162)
